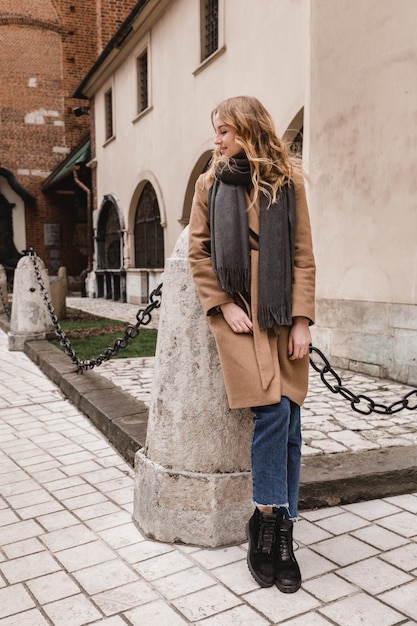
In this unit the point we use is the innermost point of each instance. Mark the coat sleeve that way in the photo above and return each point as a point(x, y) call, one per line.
point(303, 291)
point(199, 251)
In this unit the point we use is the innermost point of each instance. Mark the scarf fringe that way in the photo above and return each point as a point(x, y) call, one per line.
point(268, 316)
point(233, 280)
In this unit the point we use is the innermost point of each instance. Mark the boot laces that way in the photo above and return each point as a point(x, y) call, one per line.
point(266, 538)
point(285, 548)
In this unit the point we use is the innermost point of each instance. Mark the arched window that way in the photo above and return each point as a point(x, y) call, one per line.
point(109, 238)
point(149, 235)
point(294, 133)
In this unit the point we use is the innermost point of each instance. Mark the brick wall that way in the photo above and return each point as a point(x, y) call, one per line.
point(46, 48)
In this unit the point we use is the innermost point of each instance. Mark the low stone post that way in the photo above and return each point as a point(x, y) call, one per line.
point(30, 318)
point(58, 286)
point(3, 288)
point(192, 478)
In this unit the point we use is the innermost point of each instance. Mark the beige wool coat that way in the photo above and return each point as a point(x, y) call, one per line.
point(256, 368)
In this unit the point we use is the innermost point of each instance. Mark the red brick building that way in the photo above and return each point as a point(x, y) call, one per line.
point(46, 47)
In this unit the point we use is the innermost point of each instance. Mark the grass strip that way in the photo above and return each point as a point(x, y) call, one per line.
point(90, 335)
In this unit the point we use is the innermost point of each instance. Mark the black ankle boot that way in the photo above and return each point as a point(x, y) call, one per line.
point(288, 575)
point(262, 555)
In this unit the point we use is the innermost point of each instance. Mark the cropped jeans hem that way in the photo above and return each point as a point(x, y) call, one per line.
point(276, 456)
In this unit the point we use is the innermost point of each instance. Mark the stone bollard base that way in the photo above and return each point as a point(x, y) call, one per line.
point(16, 341)
point(212, 511)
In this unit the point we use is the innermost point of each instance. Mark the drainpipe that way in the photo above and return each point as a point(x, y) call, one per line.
point(89, 217)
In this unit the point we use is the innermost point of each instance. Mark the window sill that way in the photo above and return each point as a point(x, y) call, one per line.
point(142, 114)
point(109, 140)
point(209, 60)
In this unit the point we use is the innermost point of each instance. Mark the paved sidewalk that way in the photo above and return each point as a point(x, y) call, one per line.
point(70, 554)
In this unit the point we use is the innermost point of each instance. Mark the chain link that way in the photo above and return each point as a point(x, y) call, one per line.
point(143, 318)
point(4, 302)
point(359, 402)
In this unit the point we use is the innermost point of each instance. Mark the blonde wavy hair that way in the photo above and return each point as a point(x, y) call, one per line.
point(271, 164)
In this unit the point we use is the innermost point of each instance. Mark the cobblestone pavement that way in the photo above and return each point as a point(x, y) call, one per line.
point(70, 554)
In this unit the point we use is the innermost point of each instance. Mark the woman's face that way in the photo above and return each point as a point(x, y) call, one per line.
point(225, 137)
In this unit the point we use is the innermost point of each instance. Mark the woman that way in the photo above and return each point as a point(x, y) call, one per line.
point(251, 258)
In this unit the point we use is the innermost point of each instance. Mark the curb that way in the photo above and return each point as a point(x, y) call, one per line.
point(326, 479)
point(118, 416)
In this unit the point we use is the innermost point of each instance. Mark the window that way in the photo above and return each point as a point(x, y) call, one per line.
point(296, 145)
point(109, 238)
point(209, 12)
point(142, 77)
point(149, 235)
point(108, 112)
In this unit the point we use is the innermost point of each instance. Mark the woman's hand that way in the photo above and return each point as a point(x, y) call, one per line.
point(299, 338)
point(236, 317)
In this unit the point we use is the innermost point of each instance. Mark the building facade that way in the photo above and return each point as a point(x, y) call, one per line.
point(152, 92)
point(341, 75)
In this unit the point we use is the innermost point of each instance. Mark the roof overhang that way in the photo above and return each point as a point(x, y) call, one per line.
point(79, 156)
point(17, 187)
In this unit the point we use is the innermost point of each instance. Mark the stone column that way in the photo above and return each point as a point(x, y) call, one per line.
point(30, 318)
point(192, 479)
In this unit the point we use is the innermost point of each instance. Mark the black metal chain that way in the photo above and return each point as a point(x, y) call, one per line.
point(359, 402)
point(4, 303)
point(143, 318)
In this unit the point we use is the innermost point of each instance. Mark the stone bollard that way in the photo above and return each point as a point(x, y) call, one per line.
point(58, 286)
point(3, 288)
point(192, 478)
point(30, 318)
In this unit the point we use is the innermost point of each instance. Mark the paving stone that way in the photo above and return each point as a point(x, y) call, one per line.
point(52, 587)
point(329, 587)
point(361, 609)
point(206, 603)
point(73, 611)
point(405, 557)
point(125, 597)
point(344, 550)
point(374, 576)
point(242, 615)
point(105, 576)
point(14, 599)
point(152, 613)
point(30, 566)
point(184, 582)
point(278, 606)
point(343, 523)
point(404, 524)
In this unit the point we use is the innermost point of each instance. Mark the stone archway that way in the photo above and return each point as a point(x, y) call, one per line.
point(294, 133)
point(200, 167)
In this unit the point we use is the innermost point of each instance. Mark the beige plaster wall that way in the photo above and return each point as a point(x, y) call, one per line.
point(361, 150)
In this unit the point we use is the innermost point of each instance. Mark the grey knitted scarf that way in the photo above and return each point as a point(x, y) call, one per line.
point(230, 242)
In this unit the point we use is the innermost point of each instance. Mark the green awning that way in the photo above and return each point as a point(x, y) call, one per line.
point(80, 155)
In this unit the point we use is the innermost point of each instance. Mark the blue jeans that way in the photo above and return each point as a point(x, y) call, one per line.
point(276, 456)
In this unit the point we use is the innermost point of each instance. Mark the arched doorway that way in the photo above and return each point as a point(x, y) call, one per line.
point(111, 282)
